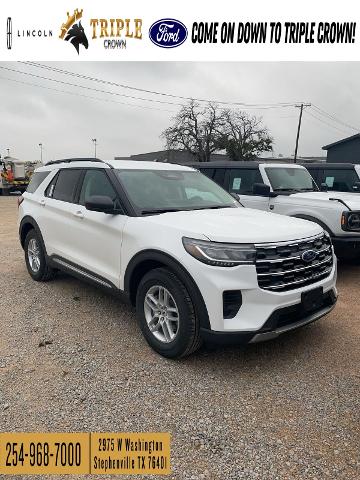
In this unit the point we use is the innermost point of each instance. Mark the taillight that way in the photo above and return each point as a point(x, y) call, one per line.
point(20, 200)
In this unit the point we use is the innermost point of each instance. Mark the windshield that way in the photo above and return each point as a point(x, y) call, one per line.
point(344, 180)
point(153, 191)
point(291, 180)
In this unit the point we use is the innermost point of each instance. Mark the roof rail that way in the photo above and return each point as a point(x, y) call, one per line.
point(68, 160)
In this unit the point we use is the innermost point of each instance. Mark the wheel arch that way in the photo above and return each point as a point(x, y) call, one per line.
point(315, 220)
point(27, 224)
point(147, 260)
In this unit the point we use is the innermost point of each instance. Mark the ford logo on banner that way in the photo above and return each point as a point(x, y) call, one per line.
point(168, 33)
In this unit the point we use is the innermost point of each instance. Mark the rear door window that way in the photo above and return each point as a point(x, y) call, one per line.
point(241, 180)
point(36, 179)
point(66, 184)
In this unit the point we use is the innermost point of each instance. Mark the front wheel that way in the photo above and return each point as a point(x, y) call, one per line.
point(166, 314)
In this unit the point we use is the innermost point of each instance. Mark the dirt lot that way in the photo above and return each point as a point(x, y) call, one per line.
point(288, 409)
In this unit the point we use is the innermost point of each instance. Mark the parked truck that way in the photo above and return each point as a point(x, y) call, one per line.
point(335, 177)
point(15, 174)
point(290, 190)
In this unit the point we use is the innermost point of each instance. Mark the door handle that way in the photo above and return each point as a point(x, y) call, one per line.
point(42, 203)
point(78, 214)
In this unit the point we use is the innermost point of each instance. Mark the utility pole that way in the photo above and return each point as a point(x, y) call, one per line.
point(301, 106)
point(41, 149)
point(94, 141)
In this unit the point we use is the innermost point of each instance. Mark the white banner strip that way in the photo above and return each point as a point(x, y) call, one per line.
point(140, 30)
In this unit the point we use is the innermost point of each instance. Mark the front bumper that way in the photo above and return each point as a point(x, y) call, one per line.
point(281, 321)
point(258, 304)
point(347, 246)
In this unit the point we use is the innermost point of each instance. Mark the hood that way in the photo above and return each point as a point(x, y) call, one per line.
point(237, 225)
point(351, 199)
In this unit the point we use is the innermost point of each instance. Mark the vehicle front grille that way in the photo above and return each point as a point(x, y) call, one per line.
point(285, 266)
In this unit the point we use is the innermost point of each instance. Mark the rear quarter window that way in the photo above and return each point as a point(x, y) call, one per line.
point(36, 179)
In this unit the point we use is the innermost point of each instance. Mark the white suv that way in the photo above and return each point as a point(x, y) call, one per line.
point(196, 264)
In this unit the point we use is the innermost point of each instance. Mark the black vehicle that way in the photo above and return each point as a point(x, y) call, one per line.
point(337, 177)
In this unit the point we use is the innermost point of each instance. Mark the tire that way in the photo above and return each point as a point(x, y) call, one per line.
point(41, 272)
point(185, 338)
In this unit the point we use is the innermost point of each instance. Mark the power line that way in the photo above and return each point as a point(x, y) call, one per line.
point(119, 94)
point(332, 117)
point(88, 88)
point(325, 123)
point(260, 106)
point(153, 92)
point(86, 96)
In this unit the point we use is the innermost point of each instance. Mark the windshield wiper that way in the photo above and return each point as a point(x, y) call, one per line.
point(308, 190)
point(286, 190)
point(154, 211)
point(213, 207)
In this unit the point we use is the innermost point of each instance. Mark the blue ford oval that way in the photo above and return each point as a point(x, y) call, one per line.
point(308, 256)
point(168, 33)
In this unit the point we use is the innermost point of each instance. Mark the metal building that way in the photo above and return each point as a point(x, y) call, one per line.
point(346, 150)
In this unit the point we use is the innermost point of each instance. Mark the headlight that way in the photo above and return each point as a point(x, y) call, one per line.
point(220, 254)
point(350, 221)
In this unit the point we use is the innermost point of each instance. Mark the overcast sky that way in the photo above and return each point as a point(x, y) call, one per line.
point(65, 124)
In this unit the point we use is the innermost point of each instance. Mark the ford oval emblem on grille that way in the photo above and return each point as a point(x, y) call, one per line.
point(168, 33)
point(308, 256)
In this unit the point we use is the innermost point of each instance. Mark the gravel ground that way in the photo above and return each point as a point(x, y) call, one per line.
point(288, 409)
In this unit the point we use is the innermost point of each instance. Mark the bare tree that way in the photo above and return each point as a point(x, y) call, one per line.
point(244, 136)
point(196, 129)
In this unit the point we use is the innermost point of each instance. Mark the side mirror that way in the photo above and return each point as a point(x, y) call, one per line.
point(324, 187)
point(263, 190)
point(100, 203)
point(356, 187)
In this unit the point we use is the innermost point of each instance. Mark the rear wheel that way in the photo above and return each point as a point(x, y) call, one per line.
point(35, 258)
point(166, 314)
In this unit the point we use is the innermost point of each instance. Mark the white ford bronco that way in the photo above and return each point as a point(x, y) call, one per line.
point(196, 264)
point(290, 190)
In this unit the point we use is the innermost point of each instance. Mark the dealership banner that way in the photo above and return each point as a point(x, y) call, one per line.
point(140, 30)
point(64, 453)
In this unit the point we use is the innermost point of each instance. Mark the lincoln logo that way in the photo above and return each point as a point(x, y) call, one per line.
point(9, 33)
point(309, 256)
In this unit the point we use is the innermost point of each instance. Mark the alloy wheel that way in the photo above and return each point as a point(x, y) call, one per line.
point(161, 314)
point(33, 252)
